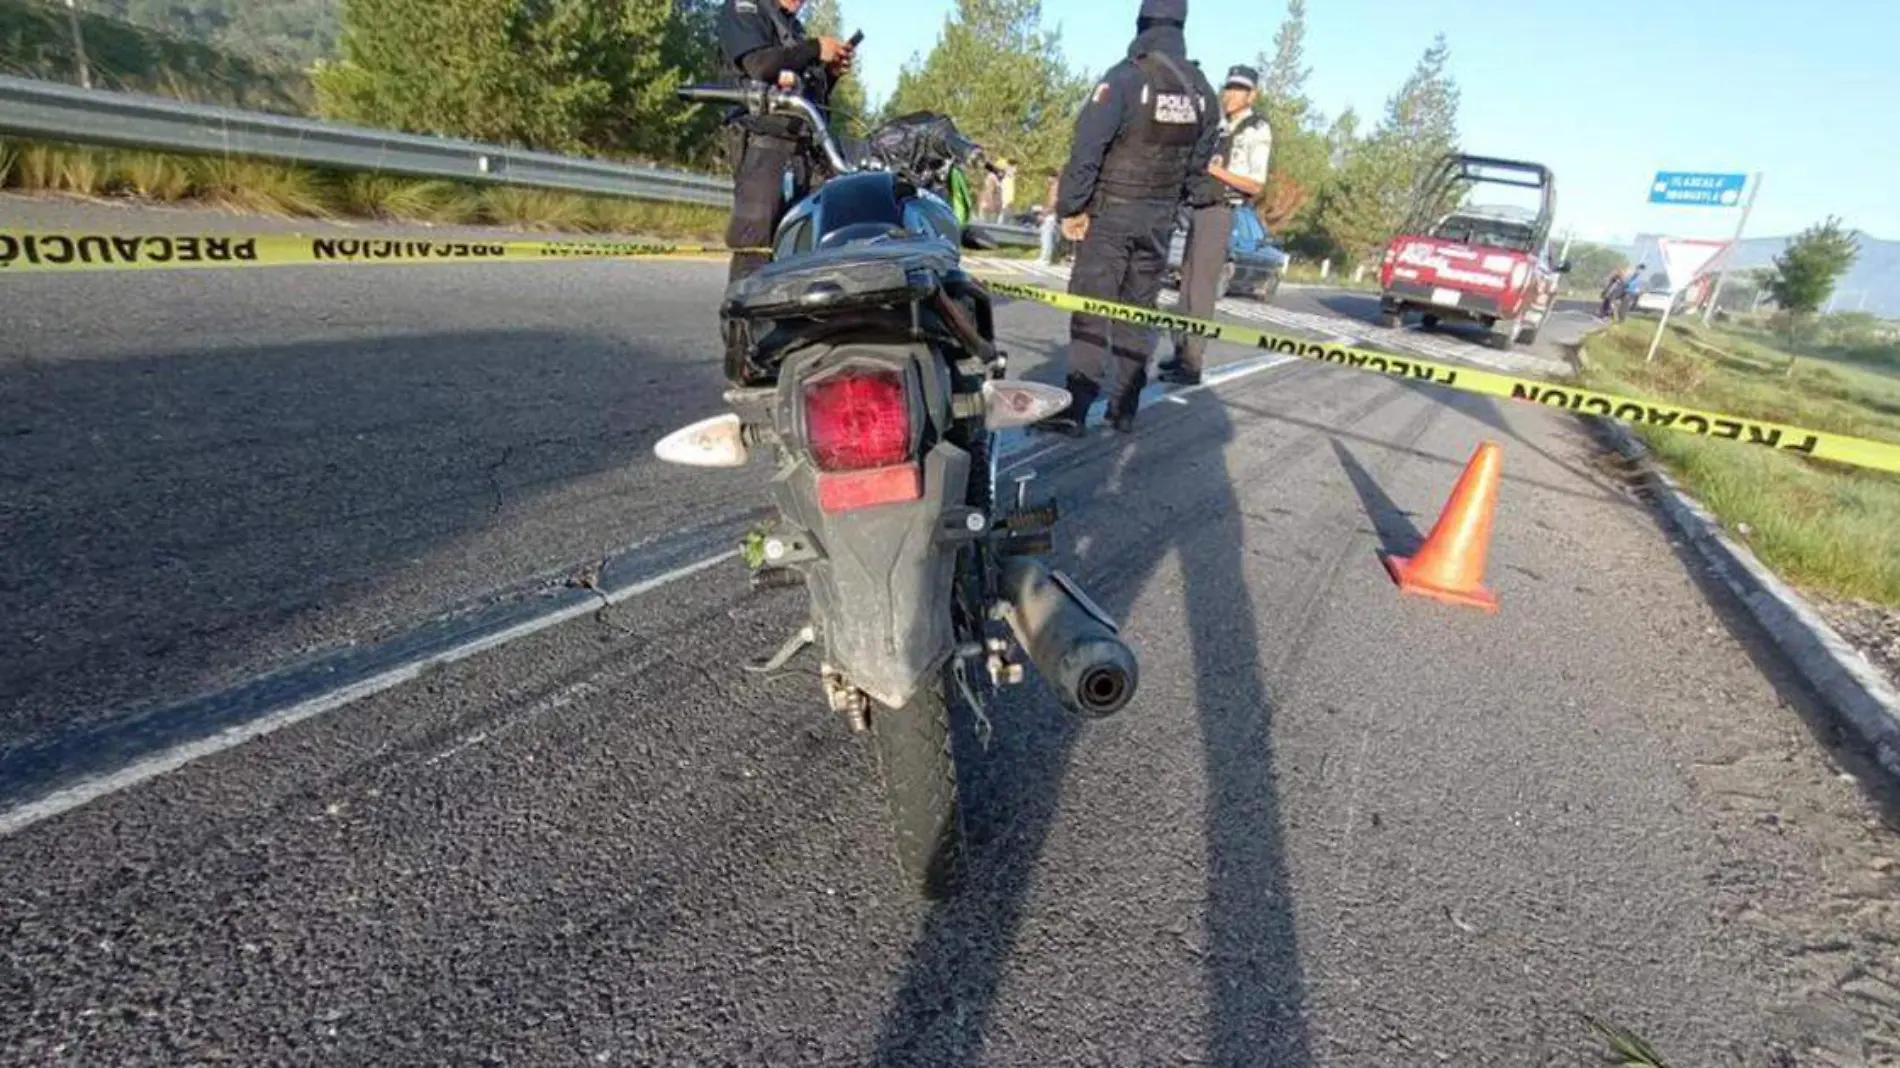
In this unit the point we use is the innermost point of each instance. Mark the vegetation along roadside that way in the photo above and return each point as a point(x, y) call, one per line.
point(1834, 531)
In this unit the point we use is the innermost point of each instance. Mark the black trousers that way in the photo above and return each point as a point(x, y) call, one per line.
point(1203, 262)
point(758, 194)
point(1120, 260)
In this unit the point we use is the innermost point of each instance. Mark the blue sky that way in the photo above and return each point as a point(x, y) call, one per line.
point(1605, 93)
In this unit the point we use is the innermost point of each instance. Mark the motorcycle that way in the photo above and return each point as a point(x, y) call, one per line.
point(885, 395)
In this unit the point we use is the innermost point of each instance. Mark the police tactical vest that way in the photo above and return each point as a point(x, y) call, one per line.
point(1150, 160)
point(1224, 154)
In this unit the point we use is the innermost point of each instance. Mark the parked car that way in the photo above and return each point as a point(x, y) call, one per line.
point(1255, 262)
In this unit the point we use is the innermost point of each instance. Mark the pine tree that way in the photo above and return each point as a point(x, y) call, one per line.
point(1001, 77)
point(1377, 185)
point(1284, 74)
point(1300, 165)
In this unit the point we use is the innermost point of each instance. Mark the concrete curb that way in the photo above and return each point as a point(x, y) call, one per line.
point(1853, 690)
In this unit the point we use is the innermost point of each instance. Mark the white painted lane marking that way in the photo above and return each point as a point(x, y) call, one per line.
point(147, 768)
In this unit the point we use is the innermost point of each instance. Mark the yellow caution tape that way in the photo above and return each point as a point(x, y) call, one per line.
point(27, 251)
point(32, 251)
point(1839, 448)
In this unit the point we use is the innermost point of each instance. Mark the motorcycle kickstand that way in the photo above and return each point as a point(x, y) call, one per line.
point(797, 643)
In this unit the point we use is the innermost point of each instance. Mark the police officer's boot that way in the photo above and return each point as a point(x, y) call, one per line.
point(1073, 421)
point(1121, 410)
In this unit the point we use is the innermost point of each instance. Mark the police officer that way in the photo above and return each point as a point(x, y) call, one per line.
point(763, 41)
point(1234, 178)
point(1150, 125)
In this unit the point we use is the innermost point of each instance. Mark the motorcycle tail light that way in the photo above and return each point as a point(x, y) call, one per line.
point(857, 420)
point(858, 429)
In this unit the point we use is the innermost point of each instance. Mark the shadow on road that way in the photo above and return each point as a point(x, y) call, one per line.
point(1142, 506)
point(1398, 535)
point(180, 520)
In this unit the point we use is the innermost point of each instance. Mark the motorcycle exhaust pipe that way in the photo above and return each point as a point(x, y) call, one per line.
point(1072, 642)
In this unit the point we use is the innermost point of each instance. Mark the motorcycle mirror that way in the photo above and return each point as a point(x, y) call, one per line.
point(715, 442)
point(1010, 403)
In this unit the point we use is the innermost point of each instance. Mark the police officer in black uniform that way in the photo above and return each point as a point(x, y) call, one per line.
point(763, 41)
point(1147, 130)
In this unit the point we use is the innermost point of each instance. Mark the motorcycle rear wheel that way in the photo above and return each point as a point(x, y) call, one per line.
point(920, 788)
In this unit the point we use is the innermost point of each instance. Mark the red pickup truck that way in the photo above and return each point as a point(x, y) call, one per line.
point(1479, 263)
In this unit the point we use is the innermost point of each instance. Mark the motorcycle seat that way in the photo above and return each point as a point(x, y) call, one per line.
point(882, 272)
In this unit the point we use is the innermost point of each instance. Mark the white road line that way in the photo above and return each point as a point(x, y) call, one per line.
point(86, 791)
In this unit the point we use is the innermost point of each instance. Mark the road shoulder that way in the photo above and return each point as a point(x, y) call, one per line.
point(1850, 686)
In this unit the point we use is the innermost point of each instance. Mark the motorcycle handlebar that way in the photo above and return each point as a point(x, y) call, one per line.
point(763, 100)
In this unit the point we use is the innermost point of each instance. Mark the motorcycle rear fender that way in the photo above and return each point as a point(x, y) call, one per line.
point(881, 583)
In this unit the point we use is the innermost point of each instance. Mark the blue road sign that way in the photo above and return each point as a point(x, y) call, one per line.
point(1698, 190)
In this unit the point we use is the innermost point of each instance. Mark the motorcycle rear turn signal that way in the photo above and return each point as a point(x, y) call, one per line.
point(1008, 403)
point(715, 442)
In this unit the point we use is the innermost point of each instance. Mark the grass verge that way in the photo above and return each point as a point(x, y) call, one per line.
point(1831, 529)
point(274, 189)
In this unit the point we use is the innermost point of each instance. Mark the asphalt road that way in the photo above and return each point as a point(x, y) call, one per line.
point(1338, 827)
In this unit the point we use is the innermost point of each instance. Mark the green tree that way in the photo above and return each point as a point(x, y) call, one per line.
point(1378, 180)
point(1301, 162)
point(289, 32)
point(1805, 275)
point(822, 18)
point(558, 75)
point(1812, 264)
point(1283, 75)
point(1000, 75)
point(692, 48)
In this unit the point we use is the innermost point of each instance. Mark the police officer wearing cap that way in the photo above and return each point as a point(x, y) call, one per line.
point(1147, 129)
point(1234, 178)
point(763, 41)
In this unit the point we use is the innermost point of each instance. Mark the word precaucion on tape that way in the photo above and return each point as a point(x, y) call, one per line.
point(36, 251)
point(56, 251)
point(1821, 445)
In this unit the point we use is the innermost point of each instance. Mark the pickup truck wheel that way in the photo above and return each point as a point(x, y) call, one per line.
point(1428, 322)
point(1390, 319)
point(1528, 336)
point(1504, 333)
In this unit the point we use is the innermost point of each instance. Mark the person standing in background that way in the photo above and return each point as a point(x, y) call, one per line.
point(1235, 176)
point(989, 203)
point(1147, 129)
point(763, 41)
point(1612, 293)
point(1632, 292)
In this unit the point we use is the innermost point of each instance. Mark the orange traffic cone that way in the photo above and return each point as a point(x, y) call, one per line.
point(1450, 566)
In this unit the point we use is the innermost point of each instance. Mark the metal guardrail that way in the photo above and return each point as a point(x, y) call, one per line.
point(49, 111)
